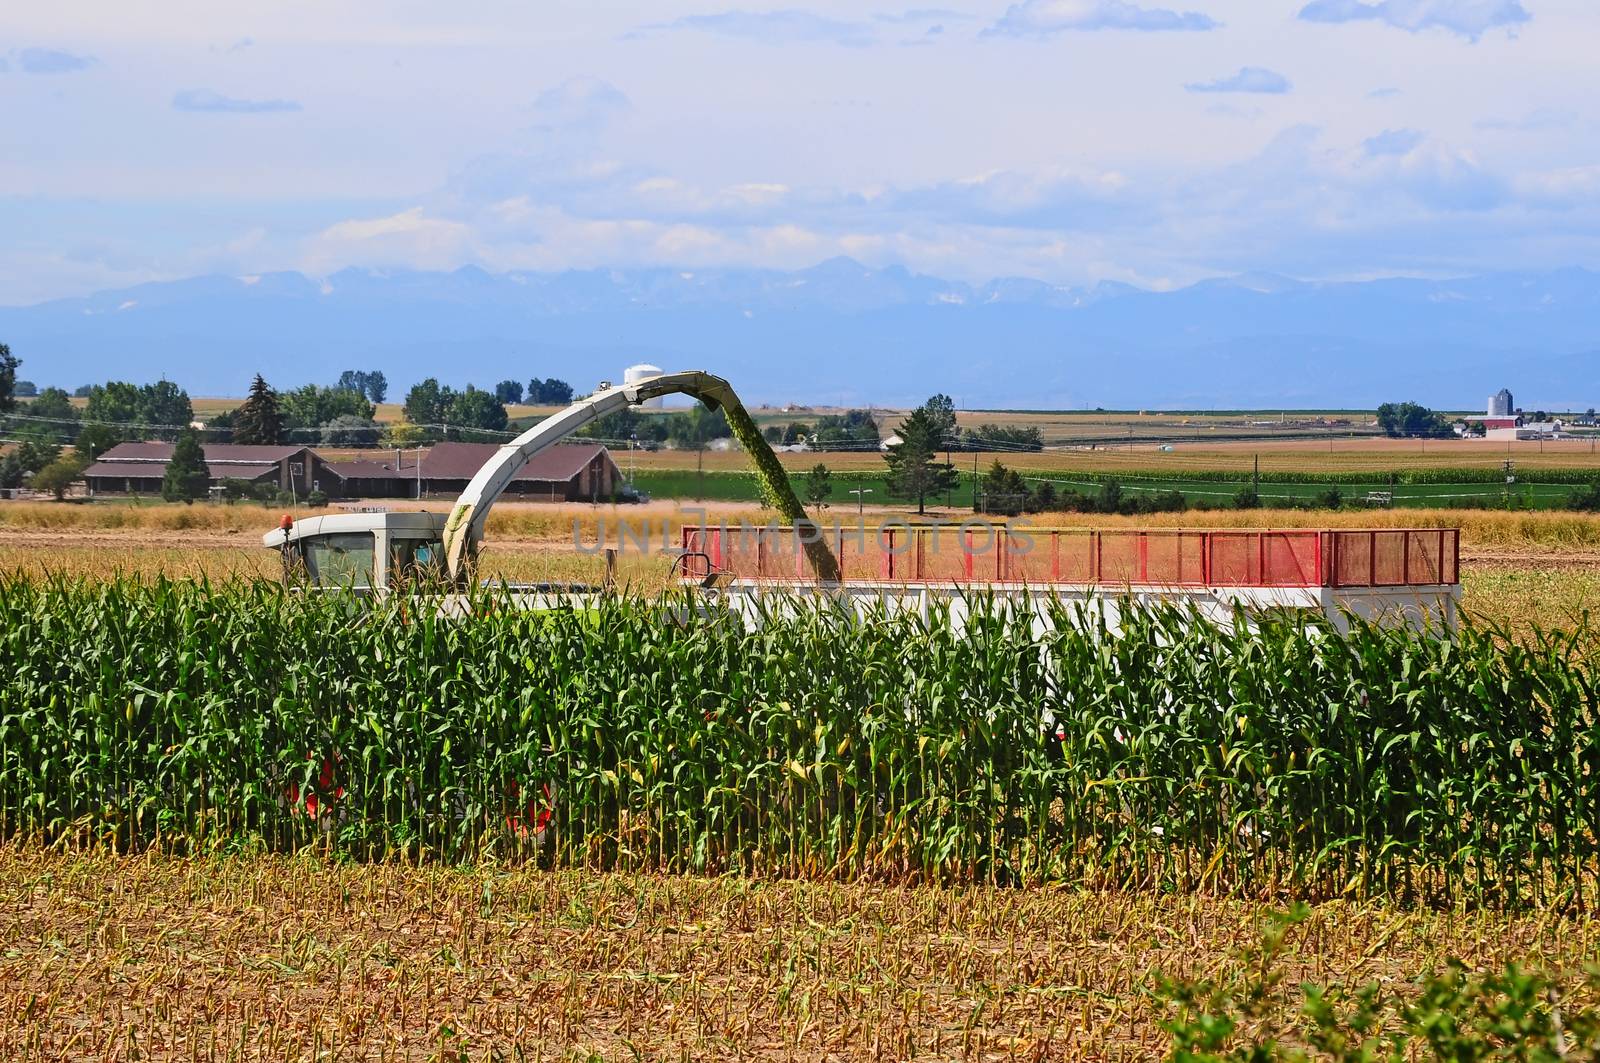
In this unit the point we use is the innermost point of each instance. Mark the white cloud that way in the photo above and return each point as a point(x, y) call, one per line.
point(1248, 79)
point(581, 102)
point(1044, 18)
point(922, 15)
point(1564, 189)
point(1393, 142)
point(50, 61)
point(1469, 18)
point(1537, 120)
point(409, 238)
point(772, 27)
point(203, 100)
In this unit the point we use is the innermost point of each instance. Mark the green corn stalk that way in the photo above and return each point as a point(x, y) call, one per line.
point(1279, 756)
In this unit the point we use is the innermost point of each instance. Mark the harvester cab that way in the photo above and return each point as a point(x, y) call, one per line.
point(361, 551)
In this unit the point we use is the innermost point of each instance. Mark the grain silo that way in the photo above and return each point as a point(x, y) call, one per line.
point(643, 371)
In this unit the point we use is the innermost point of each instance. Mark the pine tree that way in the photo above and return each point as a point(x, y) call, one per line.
point(8, 378)
point(913, 474)
point(259, 420)
point(187, 476)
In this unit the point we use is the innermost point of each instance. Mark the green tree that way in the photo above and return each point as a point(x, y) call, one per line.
point(8, 378)
point(428, 403)
point(818, 486)
point(508, 392)
point(311, 407)
point(697, 426)
point(913, 473)
point(54, 403)
point(146, 410)
point(114, 402)
point(474, 409)
point(548, 392)
point(627, 423)
point(60, 474)
point(1000, 437)
point(259, 420)
point(1411, 421)
point(856, 426)
point(95, 439)
point(26, 459)
point(165, 403)
point(1109, 498)
point(373, 385)
point(403, 434)
point(1004, 491)
point(187, 476)
point(348, 430)
point(942, 411)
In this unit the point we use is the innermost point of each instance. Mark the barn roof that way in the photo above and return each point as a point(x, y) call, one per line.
point(461, 461)
point(148, 461)
point(366, 470)
point(233, 453)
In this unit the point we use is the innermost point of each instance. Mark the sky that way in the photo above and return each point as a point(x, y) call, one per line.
point(1075, 141)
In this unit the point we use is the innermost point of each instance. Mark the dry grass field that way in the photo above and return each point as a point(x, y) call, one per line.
point(1520, 570)
point(268, 958)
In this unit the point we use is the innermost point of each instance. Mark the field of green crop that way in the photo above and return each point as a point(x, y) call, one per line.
point(1174, 755)
point(1544, 490)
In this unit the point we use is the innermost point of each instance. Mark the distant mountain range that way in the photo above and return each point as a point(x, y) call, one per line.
point(841, 332)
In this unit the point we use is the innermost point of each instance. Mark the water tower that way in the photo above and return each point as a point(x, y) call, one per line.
point(643, 371)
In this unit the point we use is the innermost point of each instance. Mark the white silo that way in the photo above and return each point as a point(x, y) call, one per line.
point(635, 373)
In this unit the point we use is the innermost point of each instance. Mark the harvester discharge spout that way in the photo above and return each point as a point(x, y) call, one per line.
point(464, 529)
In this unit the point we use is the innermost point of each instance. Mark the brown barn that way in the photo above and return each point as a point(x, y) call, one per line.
point(138, 468)
point(395, 478)
point(567, 472)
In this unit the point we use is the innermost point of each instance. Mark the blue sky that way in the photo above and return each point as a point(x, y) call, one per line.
point(1071, 140)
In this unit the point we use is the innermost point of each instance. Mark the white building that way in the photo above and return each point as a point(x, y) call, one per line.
point(1501, 404)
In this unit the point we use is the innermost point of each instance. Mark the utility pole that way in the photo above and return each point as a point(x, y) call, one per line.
point(949, 494)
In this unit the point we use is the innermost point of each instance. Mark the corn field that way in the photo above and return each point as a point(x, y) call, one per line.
point(664, 735)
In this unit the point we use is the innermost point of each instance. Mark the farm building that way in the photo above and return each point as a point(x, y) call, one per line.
point(569, 472)
point(138, 468)
point(368, 479)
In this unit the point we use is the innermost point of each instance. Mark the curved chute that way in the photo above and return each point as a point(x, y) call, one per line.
point(464, 529)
